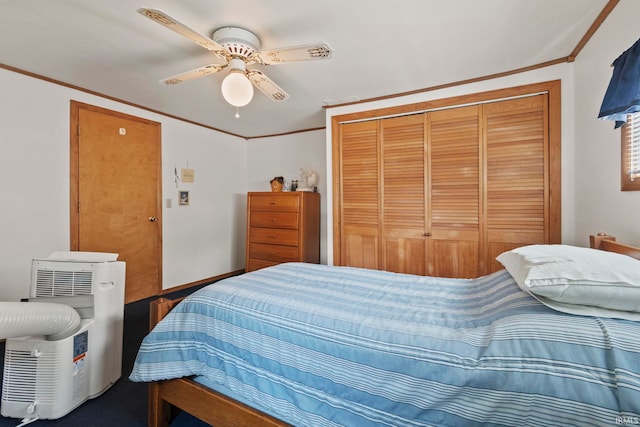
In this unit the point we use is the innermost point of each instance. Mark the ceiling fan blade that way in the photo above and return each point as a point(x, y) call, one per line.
point(193, 74)
point(171, 23)
point(267, 86)
point(295, 53)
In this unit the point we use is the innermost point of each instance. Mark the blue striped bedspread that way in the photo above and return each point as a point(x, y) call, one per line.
point(317, 345)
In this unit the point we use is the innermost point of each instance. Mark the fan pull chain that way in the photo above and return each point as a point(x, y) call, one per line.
point(237, 116)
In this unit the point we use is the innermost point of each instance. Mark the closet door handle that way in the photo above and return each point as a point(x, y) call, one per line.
point(427, 234)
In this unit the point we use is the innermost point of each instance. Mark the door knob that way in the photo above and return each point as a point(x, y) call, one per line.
point(153, 219)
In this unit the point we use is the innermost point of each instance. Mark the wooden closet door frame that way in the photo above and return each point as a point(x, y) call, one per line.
point(552, 88)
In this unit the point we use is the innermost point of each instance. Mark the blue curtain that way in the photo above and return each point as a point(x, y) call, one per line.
point(623, 94)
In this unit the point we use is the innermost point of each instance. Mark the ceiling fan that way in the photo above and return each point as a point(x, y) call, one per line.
point(236, 48)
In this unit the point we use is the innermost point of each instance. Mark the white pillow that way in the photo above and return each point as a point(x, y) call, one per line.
point(574, 277)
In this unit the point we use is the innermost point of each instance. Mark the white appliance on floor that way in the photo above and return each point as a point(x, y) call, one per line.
point(46, 377)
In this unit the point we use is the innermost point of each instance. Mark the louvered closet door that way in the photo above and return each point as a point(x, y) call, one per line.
point(454, 197)
point(359, 226)
point(403, 194)
point(517, 175)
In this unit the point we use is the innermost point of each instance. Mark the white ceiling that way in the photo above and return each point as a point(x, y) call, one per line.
point(381, 48)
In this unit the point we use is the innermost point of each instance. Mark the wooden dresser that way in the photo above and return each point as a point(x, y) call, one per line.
point(282, 227)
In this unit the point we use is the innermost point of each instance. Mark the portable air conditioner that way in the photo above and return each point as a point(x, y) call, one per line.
point(47, 378)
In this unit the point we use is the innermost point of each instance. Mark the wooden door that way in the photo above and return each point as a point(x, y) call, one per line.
point(454, 192)
point(358, 228)
point(115, 187)
point(403, 182)
point(517, 183)
point(492, 181)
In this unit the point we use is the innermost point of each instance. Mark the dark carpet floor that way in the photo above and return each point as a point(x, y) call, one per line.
point(125, 403)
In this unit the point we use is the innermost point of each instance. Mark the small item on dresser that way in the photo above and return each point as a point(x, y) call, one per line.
point(308, 180)
point(294, 185)
point(276, 184)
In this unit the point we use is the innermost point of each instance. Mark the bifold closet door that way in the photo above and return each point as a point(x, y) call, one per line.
point(403, 189)
point(443, 193)
point(359, 195)
point(454, 196)
point(517, 182)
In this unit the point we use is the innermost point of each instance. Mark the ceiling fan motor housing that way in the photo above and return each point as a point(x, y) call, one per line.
point(237, 42)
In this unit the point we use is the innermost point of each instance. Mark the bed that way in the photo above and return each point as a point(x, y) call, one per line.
point(314, 345)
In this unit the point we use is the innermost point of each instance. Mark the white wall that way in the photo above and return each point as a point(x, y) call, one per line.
point(199, 241)
point(207, 237)
point(285, 156)
point(563, 72)
point(600, 205)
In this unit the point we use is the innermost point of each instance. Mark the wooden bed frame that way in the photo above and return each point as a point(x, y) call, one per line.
point(185, 394)
point(221, 411)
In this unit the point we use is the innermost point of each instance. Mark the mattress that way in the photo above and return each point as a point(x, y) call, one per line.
point(317, 345)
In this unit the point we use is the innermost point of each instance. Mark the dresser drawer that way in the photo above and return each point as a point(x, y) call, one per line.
point(278, 253)
point(275, 202)
point(274, 219)
point(279, 236)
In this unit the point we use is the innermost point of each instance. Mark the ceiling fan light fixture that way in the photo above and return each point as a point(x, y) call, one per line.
point(237, 90)
point(237, 48)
